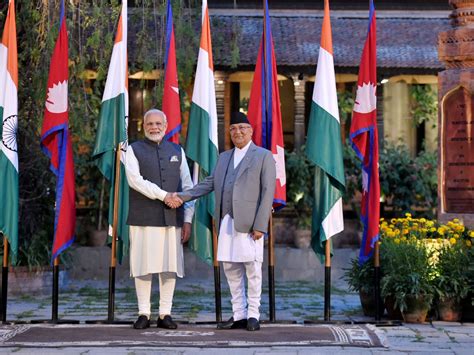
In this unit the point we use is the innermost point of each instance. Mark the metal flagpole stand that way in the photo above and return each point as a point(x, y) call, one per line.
point(327, 294)
point(271, 271)
point(4, 302)
point(378, 300)
point(3, 308)
point(327, 281)
point(113, 258)
point(217, 277)
point(55, 300)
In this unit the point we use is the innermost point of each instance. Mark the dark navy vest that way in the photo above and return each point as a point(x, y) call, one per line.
point(160, 164)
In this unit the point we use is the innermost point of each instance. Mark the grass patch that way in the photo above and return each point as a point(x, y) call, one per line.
point(193, 311)
point(418, 337)
point(89, 291)
point(353, 311)
point(25, 314)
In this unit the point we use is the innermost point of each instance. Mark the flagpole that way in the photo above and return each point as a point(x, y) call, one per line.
point(378, 303)
point(217, 276)
point(4, 280)
point(271, 270)
point(327, 282)
point(113, 258)
point(55, 300)
point(54, 306)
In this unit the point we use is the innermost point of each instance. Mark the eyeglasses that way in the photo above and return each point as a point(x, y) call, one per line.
point(240, 128)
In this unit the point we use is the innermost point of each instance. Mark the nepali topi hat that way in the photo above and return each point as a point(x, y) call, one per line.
point(238, 117)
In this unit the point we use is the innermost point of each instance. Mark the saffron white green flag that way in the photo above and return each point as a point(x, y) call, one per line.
point(9, 195)
point(201, 143)
point(112, 130)
point(324, 147)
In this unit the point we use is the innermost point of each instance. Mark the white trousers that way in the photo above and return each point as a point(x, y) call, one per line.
point(242, 307)
point(167, 282)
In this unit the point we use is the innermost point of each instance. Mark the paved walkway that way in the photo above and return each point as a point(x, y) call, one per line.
point(194, 302)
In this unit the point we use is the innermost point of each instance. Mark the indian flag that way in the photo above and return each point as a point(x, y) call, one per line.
point(324, 147)
point(8, 145)
point(112, 129)
point(201, 144)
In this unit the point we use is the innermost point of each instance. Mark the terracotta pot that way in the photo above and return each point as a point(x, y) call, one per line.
point(97, 238)
point(468, 308)
point(368, 304)
point(302, 238)
point(416, 311)
point(392, 311)
point(449, 310)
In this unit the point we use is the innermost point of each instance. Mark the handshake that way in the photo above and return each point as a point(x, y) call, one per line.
point(172, 200)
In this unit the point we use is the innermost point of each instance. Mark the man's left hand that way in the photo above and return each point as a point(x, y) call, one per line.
point(185, 232)
point(256, 235)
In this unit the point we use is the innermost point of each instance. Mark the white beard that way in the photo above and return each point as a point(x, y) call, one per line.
point(155, 137)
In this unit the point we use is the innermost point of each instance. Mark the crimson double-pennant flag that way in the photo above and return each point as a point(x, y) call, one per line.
point(171, 106)
point(364, 139)
point(264, 111)
point(56, 142)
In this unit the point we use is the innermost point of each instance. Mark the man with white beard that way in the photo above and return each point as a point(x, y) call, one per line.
point(157, 232)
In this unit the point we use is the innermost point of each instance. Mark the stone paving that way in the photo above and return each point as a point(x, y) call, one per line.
point(194, 302)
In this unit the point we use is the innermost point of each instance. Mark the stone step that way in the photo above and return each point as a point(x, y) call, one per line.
point(291, 264)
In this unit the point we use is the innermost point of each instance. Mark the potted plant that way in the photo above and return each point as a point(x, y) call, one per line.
point(452, 280)
point(407, 277)
point(299, 191)
point(468, 301)
point(360, 278)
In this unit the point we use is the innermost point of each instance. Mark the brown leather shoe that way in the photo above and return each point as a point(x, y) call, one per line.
point(142, 322)
point(230, 324)
point(166, 323)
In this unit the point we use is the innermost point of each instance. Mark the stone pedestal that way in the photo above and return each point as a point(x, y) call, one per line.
point(456, 121)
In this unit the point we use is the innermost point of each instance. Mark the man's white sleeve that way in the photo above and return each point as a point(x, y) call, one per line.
point(186, 184)
point(137, 182)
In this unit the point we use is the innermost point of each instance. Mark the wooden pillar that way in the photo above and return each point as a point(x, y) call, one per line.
point(222, 98)
point(300, 89)
point(380, 114)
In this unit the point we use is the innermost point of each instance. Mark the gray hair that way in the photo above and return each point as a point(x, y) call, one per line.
point(154, 111)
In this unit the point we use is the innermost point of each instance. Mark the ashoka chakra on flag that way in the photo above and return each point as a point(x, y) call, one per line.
point(10, 125)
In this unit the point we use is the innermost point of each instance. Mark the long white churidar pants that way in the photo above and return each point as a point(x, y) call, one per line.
point(167, 282)
point(235, 274)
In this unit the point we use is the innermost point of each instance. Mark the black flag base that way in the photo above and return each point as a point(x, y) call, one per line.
point(54, 321)
point(54, 307)
point(381, 323)
point(111, 308)
point(107, 321)
point(282, 321)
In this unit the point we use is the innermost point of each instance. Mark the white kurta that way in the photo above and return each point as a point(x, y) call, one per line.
point(156, 249)
point(235, 246)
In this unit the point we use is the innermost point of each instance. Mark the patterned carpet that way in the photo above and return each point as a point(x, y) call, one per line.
point(188, 335)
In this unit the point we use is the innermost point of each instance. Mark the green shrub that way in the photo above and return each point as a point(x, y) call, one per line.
point(452, 277)
point(407, 271)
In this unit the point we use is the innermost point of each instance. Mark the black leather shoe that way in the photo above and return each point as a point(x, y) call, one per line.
point(142, 323)
point(230, 324)
point(253, 324)
point(166, 323)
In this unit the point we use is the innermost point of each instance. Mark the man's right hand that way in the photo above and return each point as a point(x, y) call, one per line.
point(172, 200)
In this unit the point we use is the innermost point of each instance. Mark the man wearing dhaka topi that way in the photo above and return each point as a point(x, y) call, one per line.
point(244, 184)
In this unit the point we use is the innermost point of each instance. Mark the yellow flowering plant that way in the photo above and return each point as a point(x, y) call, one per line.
point(425, 258)
point(431, 232)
